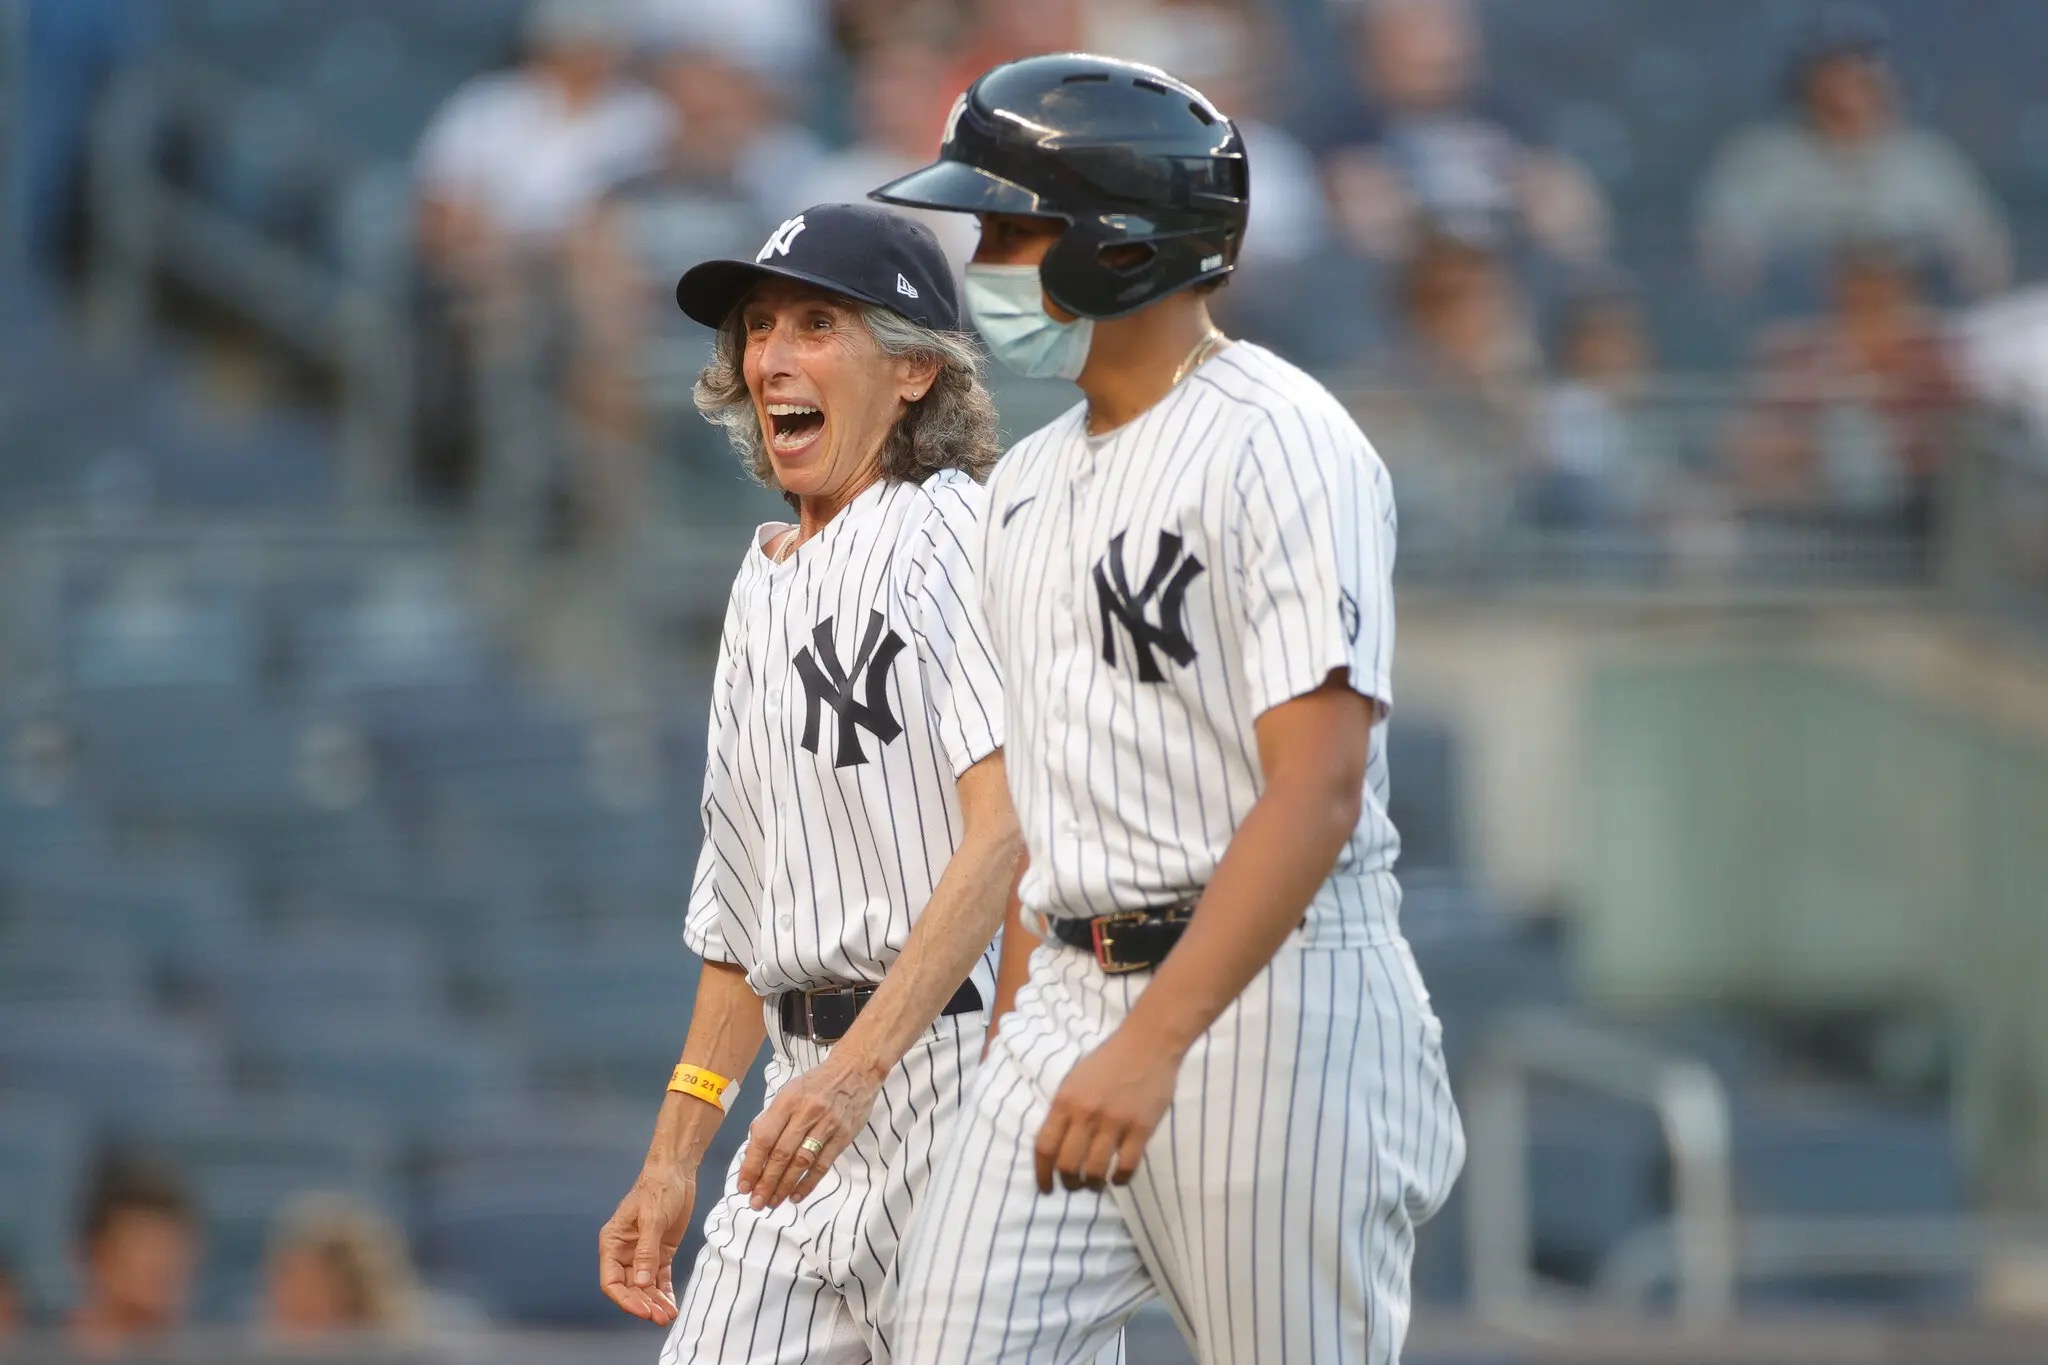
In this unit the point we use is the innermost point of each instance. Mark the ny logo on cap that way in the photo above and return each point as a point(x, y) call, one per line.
point(905, 288)
point(1166, 586)
point(779, 241)
point(830, 685)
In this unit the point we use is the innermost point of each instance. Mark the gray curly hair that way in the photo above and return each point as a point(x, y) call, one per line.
point(952, 427)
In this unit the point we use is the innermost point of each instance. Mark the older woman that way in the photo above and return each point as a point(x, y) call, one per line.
point(858, 838)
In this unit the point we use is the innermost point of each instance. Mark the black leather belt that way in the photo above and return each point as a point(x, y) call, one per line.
point(825, 1014)
point(1130, 940)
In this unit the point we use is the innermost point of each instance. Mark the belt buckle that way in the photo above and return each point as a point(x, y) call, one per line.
point(831, 995)
point(1105, 943)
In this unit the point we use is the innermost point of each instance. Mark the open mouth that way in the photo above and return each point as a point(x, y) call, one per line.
point(792, 426)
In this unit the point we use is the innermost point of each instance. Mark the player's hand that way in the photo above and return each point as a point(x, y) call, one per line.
point(636, 1250)
point(1104, 1114)
point(830, 1104)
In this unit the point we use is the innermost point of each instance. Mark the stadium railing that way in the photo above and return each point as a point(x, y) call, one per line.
point(1692, 1109)
point(1652, 504)
point(335, 296)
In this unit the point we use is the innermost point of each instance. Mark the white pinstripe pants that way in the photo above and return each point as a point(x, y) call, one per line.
point(809, 1282)
point(1275, 1211)
point(815, 1282)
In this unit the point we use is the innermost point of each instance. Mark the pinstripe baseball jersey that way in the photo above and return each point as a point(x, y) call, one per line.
point(1151, 592)
point(854, 685)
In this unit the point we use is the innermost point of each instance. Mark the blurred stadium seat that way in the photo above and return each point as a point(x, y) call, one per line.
point(1424, 799)
point(1796, 1154)
point(1482, 969)
point(44, 1153)
point(62, 968)
point(510, 1209)
point(605, 1013)
point(407, 1075)
point(112, 1068)
point(329, 978)
point(181, 913)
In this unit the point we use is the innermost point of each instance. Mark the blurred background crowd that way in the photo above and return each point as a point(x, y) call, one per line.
point(363, 556)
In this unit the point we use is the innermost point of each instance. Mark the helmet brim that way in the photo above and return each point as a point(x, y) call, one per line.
point(957, 187)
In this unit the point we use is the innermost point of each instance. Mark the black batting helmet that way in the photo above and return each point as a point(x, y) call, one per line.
point(1123, 153)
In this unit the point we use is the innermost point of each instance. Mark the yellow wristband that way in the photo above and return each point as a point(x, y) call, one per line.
point(707, 1086)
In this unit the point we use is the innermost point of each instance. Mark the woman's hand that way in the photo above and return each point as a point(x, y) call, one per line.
point(636, 1250)
point(828, 1105)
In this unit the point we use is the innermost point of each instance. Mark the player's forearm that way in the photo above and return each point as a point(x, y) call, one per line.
point(963, 914)
point(1279, 857)
point(1013, 963)
point(726, 1031)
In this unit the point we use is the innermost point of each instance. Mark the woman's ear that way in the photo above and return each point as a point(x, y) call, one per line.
point(916, 374)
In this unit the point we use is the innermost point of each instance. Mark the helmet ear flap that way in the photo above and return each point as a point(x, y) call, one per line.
point(1080, 280)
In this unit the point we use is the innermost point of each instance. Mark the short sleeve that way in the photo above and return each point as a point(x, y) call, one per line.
point(637, 127)
point(1315, 549)
point(1738, 199)
point(961, 682)
point(704, 922)
point(721, 879)
point(449, 150)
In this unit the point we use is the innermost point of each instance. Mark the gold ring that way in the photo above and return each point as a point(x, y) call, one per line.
point(812, 1145)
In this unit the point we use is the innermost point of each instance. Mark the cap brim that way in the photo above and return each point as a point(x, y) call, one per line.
point(961, 188)
point(709, 292)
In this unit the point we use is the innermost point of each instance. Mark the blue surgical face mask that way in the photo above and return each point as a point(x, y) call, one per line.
point(1007, 304)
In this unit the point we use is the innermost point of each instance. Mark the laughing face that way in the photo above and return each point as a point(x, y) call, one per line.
point(825, 393)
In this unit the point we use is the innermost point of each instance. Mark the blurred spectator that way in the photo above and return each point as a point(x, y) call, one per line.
point(1222, 51)
point(337, 1268)
point(1450, 404)
point(1602, 443)
point(1427, 146)
point(732, 168)
point(2005, 349)
point(785, 38)
point(1850, 409)
point(71, 50)
point(1001, 31)
point(1849, 169)
point(138, 1252)
point(13, 1304)
point(900, 97)
point(505, 168)
point(514, 156)
point(858, 25)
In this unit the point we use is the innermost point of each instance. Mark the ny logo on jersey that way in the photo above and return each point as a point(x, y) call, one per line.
point(780, 240)
point(827, 684)
point(1168, 584)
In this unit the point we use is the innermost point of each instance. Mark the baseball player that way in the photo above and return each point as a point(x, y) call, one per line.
point(1220, 1080)
point(858, 839)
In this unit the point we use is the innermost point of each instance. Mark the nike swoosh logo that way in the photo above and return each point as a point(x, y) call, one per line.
point(1014, 508)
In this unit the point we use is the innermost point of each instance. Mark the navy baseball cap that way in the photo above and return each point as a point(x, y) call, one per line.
point(863, 251)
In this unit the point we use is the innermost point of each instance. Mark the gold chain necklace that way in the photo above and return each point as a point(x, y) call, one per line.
point(1203, 349)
